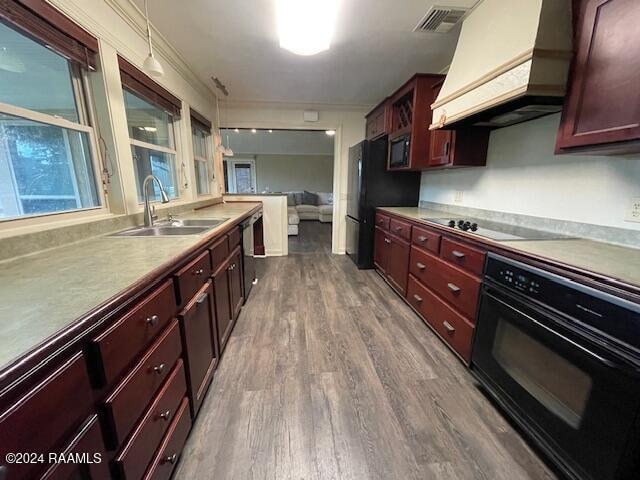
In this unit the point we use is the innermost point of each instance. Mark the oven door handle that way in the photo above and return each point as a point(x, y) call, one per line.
point(626, 367)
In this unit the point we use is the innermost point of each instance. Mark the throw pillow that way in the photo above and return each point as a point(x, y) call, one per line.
point(309, 198)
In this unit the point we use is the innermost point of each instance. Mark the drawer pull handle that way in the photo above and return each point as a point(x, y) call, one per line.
point(450, 328)
point(422, 239)
point(387, 240)
point(165, 415)
point(454, 288)
point(458, 255)
point(418, 298)
point(421, 266)
point(152, 320)
point(171, 458)
point(199, 271)
point(398, 229)
point(201, 298)
point(159, 369)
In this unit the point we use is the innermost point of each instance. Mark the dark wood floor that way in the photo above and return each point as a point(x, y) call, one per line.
point(329, 375)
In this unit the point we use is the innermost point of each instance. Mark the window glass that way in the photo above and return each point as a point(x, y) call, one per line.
point(44, 168)
point(152, 162)
point(202, 177)
point(148, 123)
point(201, 160)
point(199, 143)
point(34, 77)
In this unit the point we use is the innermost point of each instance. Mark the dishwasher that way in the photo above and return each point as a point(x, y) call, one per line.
point(248, 261)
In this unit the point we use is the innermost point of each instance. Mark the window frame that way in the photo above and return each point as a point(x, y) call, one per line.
point(207, 160)
point(157, 148)
point(86, 117)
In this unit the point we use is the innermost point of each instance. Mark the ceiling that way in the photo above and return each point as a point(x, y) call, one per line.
point(374, 49)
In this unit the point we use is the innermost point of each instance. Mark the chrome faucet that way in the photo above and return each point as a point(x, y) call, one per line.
point(150, 210)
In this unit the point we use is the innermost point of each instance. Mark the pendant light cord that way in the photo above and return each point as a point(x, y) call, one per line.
point(146, 15)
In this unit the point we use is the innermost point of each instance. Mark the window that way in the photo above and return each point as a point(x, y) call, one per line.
point(152, 144)
point(47, 153)
point(201, 139)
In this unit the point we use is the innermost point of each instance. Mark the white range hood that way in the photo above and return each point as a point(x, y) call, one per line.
point(510, 64)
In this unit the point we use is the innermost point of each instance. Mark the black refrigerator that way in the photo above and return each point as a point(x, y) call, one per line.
point(370, 185)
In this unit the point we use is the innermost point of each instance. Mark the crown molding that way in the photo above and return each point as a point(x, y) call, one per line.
point(134, 18)
point(294, 105)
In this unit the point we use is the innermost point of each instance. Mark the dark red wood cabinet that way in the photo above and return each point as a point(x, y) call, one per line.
point(222, 299)
point(235, 282)
point(391, 254)
point(410, 108)
point(601, 112)
point(378, 121)
point(200, 343)
point(464, 147)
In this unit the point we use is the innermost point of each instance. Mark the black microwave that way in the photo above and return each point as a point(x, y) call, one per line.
point(399, 151)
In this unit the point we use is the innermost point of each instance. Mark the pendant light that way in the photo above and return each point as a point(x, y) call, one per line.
point(151, 65)
point(226, 151)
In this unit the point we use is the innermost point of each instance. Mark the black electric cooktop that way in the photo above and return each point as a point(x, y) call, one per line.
point(495, 230)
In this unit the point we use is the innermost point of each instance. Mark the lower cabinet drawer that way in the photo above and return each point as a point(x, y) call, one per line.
point(46, 417)
point(459, 288)
point(128, 337)
point(382, 221)
point(401, 229)
point(192, 276)
point(426, 239)
point(124, 406)
point(89, 445)
point(136, 455)
point(452, 327)
point(169, 452)
point(463, 256)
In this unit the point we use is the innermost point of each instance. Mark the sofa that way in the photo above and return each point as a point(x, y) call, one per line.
point(308, 206)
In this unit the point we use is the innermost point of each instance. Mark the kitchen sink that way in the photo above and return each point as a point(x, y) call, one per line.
point(162, 231)
point(196, 222)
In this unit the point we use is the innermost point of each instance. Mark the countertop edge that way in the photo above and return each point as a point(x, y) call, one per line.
point(584, 276)
point(78, 328)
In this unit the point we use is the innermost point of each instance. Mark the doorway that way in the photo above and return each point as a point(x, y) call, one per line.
point(240, 175)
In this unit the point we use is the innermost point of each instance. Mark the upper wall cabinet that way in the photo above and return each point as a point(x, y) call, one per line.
point(379, 121)
point(463, 147)
point(601, 111)
point(409, 137)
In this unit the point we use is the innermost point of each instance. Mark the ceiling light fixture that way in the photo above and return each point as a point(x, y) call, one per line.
point(270, 131)
point(151, 65)
point(306, 27)
point(237, 130)
point(253, 130)
point(331, 133)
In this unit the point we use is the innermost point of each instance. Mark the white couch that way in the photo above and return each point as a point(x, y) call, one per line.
point(298, 210)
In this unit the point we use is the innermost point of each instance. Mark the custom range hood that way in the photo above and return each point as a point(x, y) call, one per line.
point(510, 64)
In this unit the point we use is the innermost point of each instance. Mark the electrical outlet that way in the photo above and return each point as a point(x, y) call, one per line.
point(633, 213)
point(458, 196)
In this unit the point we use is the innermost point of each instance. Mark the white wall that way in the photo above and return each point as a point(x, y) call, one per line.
point(348, 123)
point(285, 173)
point(524, 176)
point(279, 142)
point(275, 221)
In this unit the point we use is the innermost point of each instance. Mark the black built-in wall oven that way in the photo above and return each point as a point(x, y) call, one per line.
point(563, 360)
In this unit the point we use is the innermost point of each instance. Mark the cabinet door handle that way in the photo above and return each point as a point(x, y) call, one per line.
point(159, 368)
point(165, 415)
point(387, 240)
point(152, 321)
point(171, 458)
point(421, 266)
point(398, 229)
point(450, 328)
point(199, 271)
point(453, 287)
point(418, 298)
point(458, 254)
point(201, 298)
point(422, 239)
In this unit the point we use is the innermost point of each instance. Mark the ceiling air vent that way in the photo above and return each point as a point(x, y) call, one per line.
point(440, 19)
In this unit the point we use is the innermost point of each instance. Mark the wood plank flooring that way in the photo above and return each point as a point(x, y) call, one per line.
point(329, 375)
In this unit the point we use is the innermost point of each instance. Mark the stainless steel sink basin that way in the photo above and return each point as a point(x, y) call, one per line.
point(197, 222)
point(161, 231)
